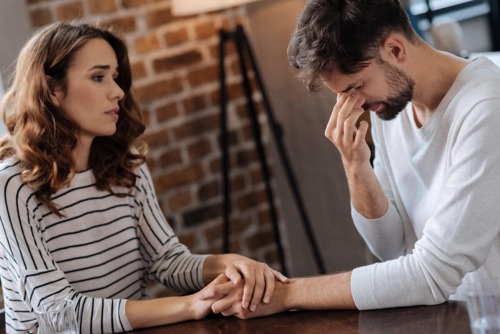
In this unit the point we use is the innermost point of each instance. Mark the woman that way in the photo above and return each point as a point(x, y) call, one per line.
point(79, 215)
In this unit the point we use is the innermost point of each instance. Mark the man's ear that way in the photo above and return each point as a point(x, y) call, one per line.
point(394, 48)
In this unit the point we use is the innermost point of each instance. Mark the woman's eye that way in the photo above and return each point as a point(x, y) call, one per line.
point(98, 78)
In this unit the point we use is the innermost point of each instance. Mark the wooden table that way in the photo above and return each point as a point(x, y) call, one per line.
point(445, 318)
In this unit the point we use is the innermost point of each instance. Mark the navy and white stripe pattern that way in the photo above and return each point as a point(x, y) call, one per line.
point(100, 254)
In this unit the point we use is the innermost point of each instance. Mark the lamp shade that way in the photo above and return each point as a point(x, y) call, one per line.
point(190, 7)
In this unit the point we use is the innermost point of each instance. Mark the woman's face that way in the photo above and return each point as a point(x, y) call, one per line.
point(92, 95)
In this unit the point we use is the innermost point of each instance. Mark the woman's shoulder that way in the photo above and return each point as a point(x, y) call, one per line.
point(10, 168)
point(10, 176)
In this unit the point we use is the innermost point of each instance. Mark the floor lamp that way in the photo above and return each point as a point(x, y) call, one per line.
point(245, 56)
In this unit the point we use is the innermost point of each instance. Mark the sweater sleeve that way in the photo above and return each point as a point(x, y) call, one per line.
point(166, 259)
point(31, 277)
point(458, 236)
point(384, 236)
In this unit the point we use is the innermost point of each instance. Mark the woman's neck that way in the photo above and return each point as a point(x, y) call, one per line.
point(81, 154)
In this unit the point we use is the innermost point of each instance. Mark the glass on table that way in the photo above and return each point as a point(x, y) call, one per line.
point(57, 317)
point(483, 306)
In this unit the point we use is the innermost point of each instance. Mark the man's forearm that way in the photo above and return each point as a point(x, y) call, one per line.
point(366, 193)
point(318, 293)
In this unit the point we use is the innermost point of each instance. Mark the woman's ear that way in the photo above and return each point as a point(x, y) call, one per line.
point(55, 92)
point(394, 47)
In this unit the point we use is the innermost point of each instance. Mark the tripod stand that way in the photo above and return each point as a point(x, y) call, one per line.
point(245, 53)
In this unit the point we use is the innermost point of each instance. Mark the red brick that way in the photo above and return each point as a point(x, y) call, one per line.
point(69, 11)
point(182, 60)
point(159, 89)
point(251, 200)
point(261, 239)
point(256, 176)
point(181, 199)
point(246, 157)
point(138, 70)
point(264, 217)
point(176, 37)
point(167, 112)
point(194, 103)
point(159, 17)
point(156, 139)
point(147, 43)
point(272, 257)
point(197, 127)
point(199, 149)
point(239, 225)
point(168, 181)
point(205, 30)
point(188, 239)
point(203, 76)
point(234, 91)
point(125, 24)
point(40, 17)
point(202, 214)
point(102, 6)
point(170, 158)
point(237, 183)
point(229, 49)
point(209, 190)
point(214, 232)
point(134, 3)
point(146, 116)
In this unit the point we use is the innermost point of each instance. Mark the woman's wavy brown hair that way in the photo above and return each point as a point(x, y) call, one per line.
point(42, 136)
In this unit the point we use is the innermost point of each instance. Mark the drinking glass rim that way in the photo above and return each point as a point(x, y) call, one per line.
point(39, 310)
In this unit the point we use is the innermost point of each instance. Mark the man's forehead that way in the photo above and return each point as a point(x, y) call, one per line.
point(341, 83)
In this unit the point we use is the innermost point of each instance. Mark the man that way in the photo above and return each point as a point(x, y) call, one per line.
point(430, 206)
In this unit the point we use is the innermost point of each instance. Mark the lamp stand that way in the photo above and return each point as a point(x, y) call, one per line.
point(245, 53)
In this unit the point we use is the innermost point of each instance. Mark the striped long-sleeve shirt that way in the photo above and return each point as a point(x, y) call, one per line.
point(101, 253)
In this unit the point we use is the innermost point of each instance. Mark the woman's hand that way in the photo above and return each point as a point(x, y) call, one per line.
point(200, 303)
point(258, 279)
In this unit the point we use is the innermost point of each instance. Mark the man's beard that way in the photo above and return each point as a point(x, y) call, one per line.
point(400, 83)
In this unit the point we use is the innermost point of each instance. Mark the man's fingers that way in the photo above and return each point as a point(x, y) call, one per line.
point(332, 121)
point(361, 134)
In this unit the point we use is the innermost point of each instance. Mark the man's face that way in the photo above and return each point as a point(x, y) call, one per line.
point(386, 88)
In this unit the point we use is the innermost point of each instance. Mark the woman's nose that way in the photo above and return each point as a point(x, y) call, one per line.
point(117, 92)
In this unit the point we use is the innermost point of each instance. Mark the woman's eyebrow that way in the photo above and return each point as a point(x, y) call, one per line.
point(102, 67)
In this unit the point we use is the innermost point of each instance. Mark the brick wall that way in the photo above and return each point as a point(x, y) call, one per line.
point(174, 63)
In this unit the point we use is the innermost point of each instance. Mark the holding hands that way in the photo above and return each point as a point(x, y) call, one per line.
point(244, 285)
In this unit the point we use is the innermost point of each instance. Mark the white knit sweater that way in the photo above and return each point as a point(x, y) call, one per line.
point(443, 185)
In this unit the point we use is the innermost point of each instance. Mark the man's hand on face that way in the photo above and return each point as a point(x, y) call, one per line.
point(342, 132)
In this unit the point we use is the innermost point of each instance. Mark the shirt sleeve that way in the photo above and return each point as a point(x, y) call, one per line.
point(458, 237)
point(166, 258)
point(35, 278)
